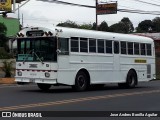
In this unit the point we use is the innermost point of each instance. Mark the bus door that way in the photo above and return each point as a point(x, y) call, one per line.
point(116, 59)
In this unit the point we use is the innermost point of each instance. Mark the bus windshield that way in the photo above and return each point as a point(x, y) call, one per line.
point(37, 49)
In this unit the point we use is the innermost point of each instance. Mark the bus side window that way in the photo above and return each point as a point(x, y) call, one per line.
point(116, 47)
point(92, 45)
point(123, 47)
point(149, 49)
point(143, 49)
point(64, 47)
point(136, 48)
point(83, 45)
point(130, 48)
point(74, 44)
point(108, 46)
point(100, 46)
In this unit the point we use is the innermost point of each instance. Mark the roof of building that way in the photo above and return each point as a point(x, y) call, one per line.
point(154, 36)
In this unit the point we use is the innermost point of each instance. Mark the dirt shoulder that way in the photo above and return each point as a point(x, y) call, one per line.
point(7, 81)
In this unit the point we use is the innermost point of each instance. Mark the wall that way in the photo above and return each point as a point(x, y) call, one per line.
point(12, 25)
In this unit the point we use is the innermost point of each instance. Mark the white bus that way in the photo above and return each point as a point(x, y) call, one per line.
point(80, 58)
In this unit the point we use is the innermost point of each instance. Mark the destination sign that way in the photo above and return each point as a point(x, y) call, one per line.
point(35, 33)
point(106, 8)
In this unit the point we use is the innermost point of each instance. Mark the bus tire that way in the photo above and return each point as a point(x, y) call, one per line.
point(131, 81)
point(44, 87)
point(81, 82)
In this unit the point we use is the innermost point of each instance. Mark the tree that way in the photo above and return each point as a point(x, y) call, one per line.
point(7, 68)
point(128, 26)
point(72, 24)
point(103, 26)
point(86, 26)
point(156, 24)
point(3, 38)
point(68, 23)
point(144, 26)
point(3, 29)
point(117, 28)
point(94, 26)
point(124, 26)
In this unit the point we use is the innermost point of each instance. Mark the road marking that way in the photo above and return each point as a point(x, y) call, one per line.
point(75, 100)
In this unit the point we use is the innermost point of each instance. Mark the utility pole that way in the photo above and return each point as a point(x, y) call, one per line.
point(18, 12)
point(96, 15)
point(22, 20)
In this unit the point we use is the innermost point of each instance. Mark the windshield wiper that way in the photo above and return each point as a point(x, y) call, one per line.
point(37, 56)
point(27, 56)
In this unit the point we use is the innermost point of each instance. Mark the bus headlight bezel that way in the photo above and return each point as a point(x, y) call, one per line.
point(19, 73)
point(47, 74)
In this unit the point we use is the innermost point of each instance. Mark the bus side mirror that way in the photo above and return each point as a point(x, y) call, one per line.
point(58, 51)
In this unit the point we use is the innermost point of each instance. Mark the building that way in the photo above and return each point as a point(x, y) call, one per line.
point(12, 24)
point(156, 38)
point(13, 27)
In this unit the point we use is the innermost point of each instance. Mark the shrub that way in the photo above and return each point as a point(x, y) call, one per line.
point(4, 54)
point(7, 68)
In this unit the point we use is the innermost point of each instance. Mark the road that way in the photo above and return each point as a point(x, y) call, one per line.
point(145, 97)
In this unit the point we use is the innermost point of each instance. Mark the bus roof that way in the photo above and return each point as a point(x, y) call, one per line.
point(73, 32)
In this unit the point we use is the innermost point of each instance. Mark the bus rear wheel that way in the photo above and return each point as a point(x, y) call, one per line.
point(131, 79)
point(44, 87)
point(81, 82)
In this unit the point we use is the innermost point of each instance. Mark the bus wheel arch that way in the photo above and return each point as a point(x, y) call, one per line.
point(44, 87)
point(82, 80)
point(131, 78)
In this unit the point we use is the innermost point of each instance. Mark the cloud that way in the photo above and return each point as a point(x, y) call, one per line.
point(46, 14)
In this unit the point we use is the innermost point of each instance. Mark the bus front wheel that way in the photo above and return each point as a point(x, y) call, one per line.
point(44, 87)
point(81, 82)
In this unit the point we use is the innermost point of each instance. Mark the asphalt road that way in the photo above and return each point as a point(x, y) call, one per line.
point(145, 97)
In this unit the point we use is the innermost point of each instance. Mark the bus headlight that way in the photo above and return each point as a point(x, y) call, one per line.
point(19, 73)
point(47, 74)
point(154, 76)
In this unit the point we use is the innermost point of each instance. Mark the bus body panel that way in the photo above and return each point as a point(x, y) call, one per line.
point(35, 72)
point(102, 67)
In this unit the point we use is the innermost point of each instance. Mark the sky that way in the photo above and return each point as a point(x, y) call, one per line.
point(47, 14)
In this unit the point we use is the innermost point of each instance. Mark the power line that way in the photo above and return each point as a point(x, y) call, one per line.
point(67, 3)
point(139, 11)
point(120, 10)
point(147, 3)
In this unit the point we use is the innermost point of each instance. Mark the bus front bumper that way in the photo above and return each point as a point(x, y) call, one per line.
point(35, 80)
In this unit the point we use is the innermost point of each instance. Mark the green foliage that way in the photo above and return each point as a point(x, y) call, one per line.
point(124, 26)
point(128, 26)
point(85, 26)
point(156, 24)
point(72, 24)
point(3, 29)
point(117, 28)
point(94, 26)
point(7, 68)
point(68, 23)
point(103, 26)
point(4, 54)
point(3, 38)
point(144, 26)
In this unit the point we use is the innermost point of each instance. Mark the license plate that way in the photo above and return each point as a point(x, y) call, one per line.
point(32, 80)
